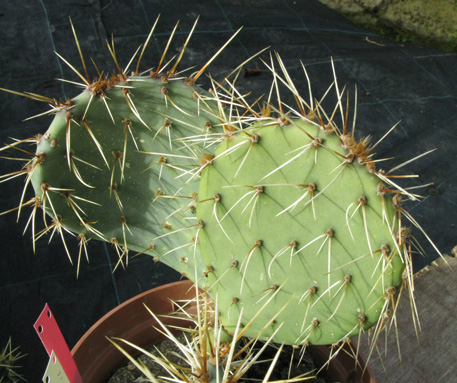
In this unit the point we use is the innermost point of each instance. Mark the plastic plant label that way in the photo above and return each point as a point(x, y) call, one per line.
point(54, 372)
point(53, 341)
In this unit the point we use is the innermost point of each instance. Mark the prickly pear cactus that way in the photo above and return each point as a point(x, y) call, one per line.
point(114, 165)
point(288, 225)
point(298, 233)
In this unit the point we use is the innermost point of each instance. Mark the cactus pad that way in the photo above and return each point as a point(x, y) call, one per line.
point(114, 166)
point(298, 233)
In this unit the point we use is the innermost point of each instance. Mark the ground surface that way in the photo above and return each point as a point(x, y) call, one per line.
point(431, 22)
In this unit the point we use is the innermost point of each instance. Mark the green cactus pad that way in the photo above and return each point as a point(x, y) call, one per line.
point(114, 165)
point(298, 233)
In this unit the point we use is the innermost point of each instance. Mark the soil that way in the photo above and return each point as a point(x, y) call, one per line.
point(129, 374)
point(431, 22)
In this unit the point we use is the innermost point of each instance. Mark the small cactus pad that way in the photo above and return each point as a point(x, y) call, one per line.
point(298, 233)
point(114, 165)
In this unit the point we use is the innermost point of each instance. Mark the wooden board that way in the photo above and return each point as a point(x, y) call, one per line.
point(433, 356)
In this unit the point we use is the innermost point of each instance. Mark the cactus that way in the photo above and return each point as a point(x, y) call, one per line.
point(291, 226)
point(296, 215)
point(302, 236)
point(118, 163)
point(107, 164)
point(9, 367)
point(202, 352)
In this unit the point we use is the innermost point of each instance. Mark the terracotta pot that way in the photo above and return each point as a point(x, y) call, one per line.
point(97, 358)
